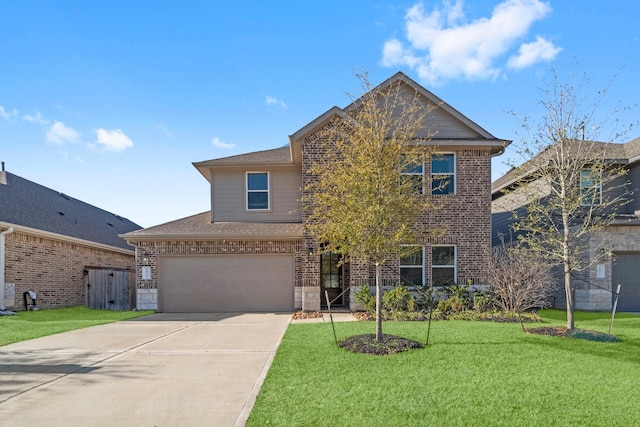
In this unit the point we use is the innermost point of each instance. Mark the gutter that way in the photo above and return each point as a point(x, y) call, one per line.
point(2, 264)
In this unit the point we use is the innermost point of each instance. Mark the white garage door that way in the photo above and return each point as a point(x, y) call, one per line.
point(226, 283)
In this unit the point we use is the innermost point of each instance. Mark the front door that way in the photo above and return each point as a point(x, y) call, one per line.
point(331, 279)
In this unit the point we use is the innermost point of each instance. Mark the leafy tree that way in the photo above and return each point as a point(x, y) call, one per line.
point(570, 183)
point(360, 204)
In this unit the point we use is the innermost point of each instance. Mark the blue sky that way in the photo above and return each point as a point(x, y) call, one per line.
point(111, 101)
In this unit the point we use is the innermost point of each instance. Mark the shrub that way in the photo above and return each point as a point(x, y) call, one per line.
point(398, 299)
point(520, 279)
point(366, 299)
point(483, 302)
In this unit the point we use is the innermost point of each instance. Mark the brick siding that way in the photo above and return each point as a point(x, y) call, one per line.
point(465, 218)
point(53, 269)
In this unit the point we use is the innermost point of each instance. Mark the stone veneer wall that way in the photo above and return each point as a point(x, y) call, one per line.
point(53, 269)
point(593, 293)
point(147, 297)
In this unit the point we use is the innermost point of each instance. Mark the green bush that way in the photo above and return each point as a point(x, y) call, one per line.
point(483, 302)
point(453, 304)
point(366, 299)
point(398, 299)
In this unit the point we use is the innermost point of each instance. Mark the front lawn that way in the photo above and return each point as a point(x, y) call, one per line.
point(471, 374)
point(26, 325)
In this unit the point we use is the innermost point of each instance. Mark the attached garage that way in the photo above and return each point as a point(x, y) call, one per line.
point(226, 283)
point(626, 272)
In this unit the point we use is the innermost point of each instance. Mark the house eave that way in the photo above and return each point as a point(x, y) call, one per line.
point(62, 237)
point(208, 237)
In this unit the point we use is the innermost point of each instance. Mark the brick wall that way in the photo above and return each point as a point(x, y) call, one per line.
point(463, 218)
point(53, 269)
point(152, 249)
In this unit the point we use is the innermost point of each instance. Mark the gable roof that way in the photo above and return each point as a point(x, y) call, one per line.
point(611, 152)
point(478, 136)
point(273, 157)
point(33, 207)
point(200, 227)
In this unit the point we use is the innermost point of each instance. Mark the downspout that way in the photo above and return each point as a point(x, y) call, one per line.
point(2, 257)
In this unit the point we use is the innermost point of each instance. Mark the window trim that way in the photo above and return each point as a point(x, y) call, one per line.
point(247, 191)
point(424, 270)
point(403, 172)
point(455, 263)
point(452, 174)
point(584, 189)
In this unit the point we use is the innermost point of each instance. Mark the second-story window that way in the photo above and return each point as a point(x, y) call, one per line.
point(257, 191)
point(412, 173)
point(590, 188)
point(443, 174)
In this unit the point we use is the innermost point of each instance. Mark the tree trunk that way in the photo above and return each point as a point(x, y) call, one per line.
point(569, 293)
point(378, 304)
point(566, 260)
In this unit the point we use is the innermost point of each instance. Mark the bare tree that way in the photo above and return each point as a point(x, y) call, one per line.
point(571, 184)
point(519, 278)
point(362, 207)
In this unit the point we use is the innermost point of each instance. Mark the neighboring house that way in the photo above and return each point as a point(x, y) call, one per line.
point(49, 242)
point(621, 265)
point(251, 252)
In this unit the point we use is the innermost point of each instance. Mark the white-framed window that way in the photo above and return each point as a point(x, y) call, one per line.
point(443, 173)
point(443, 265)
point(257, 191)
point(412, 170)
point(590, 188)
point(412, 268)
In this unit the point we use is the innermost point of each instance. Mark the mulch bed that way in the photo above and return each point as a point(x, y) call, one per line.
point(368, 344)
point(558, 331)
point(298, 315)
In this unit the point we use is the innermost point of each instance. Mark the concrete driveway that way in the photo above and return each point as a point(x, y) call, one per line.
point(159, 370)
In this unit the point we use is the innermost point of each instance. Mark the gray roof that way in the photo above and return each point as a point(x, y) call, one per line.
point(276, 155)
point(25, 203)
point(200, 227)
point(613, 152)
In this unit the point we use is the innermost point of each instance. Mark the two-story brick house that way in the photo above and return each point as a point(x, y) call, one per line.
point(613, 252)
point(251, 252)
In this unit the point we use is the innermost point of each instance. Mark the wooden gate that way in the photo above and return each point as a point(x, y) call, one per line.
point(110, 288)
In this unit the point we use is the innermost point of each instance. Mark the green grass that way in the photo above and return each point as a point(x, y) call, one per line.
point(471, 374)
point(26, 325)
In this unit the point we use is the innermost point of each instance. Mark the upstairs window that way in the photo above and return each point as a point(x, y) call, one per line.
point(590, 188)
point(412, 268)
point(443, 265)
point(412, 171)
point(258, 191)
point(443, 174)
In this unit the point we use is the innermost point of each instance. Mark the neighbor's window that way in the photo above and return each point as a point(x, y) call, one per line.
point(412, 268)
point(257, 190)
point(443, 174)
point(443, 265)
point(590, 188)
point(412, 171)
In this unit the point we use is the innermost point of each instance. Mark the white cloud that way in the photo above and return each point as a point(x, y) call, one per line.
point(37, 118)
point(442, 45)
point(275, 102)
point(59, 134)
point(530, 53)
point(113, 140)
point(6, 114)
point(216, 142)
